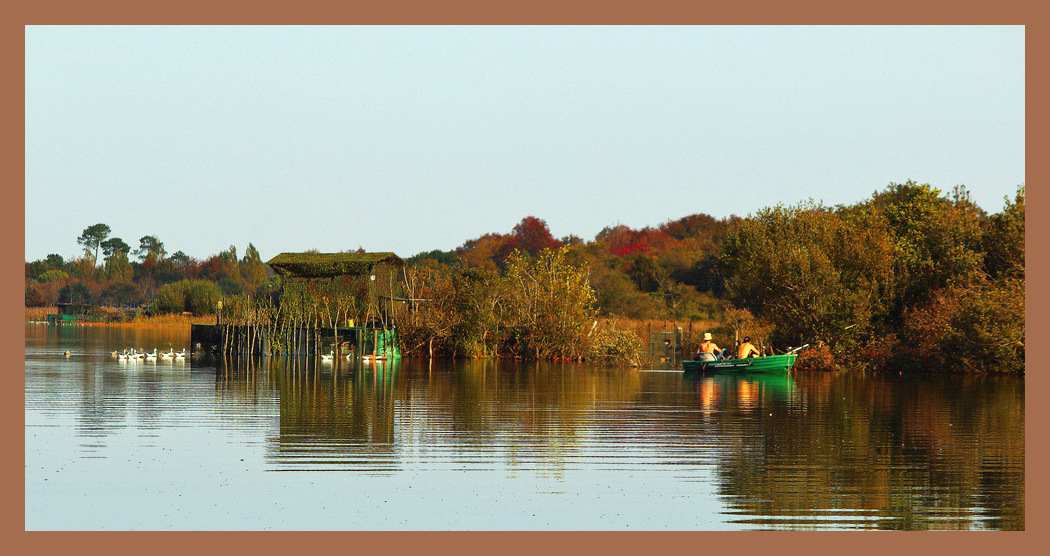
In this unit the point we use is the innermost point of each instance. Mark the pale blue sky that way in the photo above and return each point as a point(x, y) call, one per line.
point(409, 139)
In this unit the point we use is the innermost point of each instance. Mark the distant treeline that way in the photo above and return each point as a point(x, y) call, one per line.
point(910, 278)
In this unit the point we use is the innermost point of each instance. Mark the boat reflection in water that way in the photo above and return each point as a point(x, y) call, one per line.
point(742, 392)
point(504, 444)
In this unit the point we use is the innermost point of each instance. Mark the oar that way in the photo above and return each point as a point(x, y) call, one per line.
point(798, 348)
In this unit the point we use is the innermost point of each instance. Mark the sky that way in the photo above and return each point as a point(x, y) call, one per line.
point(411, 139)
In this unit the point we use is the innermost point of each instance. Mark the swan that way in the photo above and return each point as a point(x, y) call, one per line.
point(327, 358)
point(181, 354)
point(167, 354)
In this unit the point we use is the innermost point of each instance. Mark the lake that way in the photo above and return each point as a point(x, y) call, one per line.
point(297, 444)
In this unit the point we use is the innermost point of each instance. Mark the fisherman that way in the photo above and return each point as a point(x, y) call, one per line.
point(747, 349)
point(709, 351)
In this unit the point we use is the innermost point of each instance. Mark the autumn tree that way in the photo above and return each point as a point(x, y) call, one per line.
point(550, 304)
point(532, 235)
point(253, 270)
point(1004, 240)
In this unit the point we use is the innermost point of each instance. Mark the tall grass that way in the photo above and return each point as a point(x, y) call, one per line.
point(155, 321)
point(40, 313)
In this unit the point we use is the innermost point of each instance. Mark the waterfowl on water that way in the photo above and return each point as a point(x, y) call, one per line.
point(327, 358)
point(67, 353)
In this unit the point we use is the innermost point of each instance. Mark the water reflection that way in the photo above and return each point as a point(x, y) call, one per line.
point(338, 414)
point(653, 449)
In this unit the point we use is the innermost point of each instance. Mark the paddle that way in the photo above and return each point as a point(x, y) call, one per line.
point(798, 348)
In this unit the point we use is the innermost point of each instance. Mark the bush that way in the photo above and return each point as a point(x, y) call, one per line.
point(202, 296)
point(196, 296)
point(230, 287)
point(815, 358)
point(617, 347)
point(170, 298)
point(977, 328)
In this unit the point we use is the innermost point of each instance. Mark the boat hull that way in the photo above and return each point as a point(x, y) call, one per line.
point(768, 364)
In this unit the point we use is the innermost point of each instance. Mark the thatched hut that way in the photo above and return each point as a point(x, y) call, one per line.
point(345, 287)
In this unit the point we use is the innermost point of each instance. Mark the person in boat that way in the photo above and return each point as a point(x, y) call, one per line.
point(709, 351)
point(747, 349)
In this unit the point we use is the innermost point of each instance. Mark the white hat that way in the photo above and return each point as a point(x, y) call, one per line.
point(707, 336)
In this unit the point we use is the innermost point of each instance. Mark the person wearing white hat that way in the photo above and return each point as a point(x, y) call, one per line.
point(709, 351)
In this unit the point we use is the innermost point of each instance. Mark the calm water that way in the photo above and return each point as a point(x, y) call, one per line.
point(294, 444)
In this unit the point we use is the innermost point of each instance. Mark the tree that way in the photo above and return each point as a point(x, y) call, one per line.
point(550, 304)
point(484, 251)
point(92, 238)
point(150, 249)
point(75, 292)
point(532, 236)
point(179, 258)
point(113, 246)
point(253, 270)
point(1004, 240)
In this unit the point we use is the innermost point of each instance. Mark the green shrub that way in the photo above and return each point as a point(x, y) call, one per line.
point(614, 347)
point(170, 298)
point(196, 296)
point(202, 296)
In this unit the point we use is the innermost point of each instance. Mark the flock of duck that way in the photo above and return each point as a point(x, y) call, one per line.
point(330, 357)
point(135, 355)
point(132, 354)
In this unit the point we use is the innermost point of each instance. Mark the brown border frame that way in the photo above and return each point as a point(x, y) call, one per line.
point(567, 13)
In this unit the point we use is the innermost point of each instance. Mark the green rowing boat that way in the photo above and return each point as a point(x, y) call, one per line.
point(767, 364)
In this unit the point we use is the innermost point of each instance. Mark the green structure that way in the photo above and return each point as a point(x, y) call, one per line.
point(346, 303)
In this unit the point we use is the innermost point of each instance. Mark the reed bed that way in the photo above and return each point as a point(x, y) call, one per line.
point(40, 313)
point(172, 321)
point(643, 327)
point(154, 321)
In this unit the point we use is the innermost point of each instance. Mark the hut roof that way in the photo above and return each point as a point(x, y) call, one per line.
point(317, 265)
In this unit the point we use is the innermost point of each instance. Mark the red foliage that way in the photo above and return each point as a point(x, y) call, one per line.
point(623, 241)
point(215, 268)
point(532, 235)
point(630, 248)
